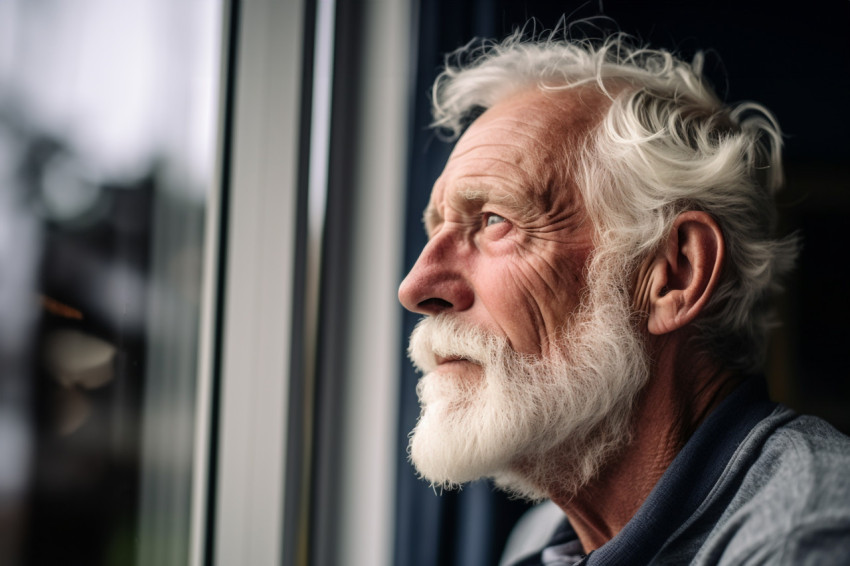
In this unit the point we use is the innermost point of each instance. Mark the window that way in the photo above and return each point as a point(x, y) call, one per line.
point(108, 125)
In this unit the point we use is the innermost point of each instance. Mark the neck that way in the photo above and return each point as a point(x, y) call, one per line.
point(674, 402)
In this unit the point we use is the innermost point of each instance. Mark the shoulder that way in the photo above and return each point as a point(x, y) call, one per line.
point(792, 503)
point(808, 431)
point(803, 467)
point(532, 531)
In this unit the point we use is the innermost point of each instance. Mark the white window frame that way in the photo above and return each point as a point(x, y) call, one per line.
point(259, 285)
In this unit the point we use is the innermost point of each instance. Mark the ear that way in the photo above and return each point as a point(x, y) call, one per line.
point(684, 273)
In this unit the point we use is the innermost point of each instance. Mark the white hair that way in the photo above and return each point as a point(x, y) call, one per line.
point(665, 144)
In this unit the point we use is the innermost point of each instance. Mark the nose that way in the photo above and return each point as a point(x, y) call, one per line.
point(437, 283)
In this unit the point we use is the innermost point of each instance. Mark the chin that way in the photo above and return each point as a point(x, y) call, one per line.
point(453, 442)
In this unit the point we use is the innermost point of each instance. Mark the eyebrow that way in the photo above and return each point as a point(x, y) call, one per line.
point(463, 198)
point(431, 218)
point(474, 196)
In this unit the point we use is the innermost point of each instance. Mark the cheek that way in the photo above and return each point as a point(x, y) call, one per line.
point(529, 296)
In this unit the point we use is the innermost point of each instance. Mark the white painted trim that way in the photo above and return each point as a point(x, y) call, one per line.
point(371, 405)
point(259, 284)
point(208, 312)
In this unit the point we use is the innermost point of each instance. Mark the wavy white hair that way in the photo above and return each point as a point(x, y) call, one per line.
point(666, 144)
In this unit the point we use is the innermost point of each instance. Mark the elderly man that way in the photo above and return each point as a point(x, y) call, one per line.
point(595, 294)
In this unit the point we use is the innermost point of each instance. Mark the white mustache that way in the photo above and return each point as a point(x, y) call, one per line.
point(442, 336)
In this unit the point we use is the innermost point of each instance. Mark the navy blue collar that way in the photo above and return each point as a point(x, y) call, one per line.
point(685, 484)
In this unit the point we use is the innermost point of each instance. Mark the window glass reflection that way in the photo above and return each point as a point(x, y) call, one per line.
point(107, 124)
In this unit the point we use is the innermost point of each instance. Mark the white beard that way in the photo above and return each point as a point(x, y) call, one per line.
point(534, 424)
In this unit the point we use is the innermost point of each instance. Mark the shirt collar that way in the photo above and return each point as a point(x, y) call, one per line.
point(689, 478)
point(685, 484)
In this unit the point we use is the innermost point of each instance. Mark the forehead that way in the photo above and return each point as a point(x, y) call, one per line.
point(521, 148)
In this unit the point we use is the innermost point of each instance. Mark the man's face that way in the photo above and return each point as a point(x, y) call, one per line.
point(528, 358)
point(508, 236)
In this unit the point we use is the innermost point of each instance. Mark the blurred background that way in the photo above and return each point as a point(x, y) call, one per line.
point(108, 119)
point(206, 208)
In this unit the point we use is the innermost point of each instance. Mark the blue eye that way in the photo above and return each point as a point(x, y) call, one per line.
point(494, 219)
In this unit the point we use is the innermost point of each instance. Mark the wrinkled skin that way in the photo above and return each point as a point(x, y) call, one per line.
point(508, 235)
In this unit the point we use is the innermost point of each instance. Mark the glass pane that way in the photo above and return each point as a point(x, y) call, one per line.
point(107, 139)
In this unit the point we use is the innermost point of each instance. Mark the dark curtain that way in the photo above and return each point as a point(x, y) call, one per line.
point(789, 57)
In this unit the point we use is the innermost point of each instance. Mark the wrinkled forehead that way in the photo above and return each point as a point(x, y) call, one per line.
point(530, 140)
point(541, 121)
